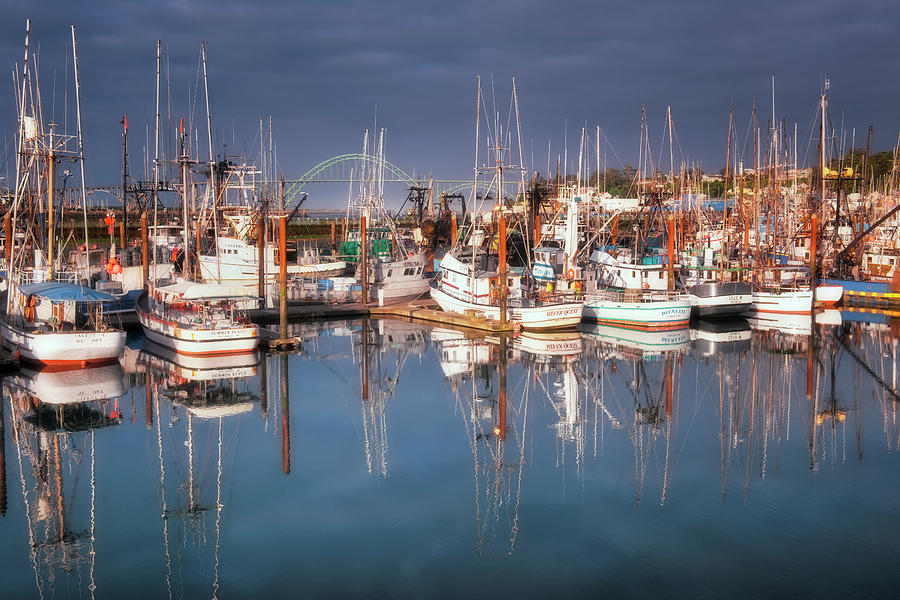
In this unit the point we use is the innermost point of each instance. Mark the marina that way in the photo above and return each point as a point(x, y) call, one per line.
point(383, 342)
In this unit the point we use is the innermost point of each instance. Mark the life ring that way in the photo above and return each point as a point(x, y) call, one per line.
point(571, 273)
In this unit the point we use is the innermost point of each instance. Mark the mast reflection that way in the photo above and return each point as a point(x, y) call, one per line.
point(194, 397)
point(54, 415)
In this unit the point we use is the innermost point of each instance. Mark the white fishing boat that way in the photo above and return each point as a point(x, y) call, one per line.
point(632, 296)
point(388, 280)
point(60, 325)
point(197, 319)
point(462, 287)
point(48, 322)
point(237, 261)
point(780, 301)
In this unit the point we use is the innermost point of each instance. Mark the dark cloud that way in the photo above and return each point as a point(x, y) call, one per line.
point(321, 68)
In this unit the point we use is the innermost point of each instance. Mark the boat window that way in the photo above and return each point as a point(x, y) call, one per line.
point(390, 272)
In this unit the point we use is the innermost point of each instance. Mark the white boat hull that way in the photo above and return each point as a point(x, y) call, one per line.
point(63, 348)
point(829, 295)
point(654, 315)
point(797, 302)
point(246, 272)
point(195, 341)
point(553, 316)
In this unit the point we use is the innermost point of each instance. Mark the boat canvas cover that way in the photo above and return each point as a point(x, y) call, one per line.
point(56, 291)
point(188, 290)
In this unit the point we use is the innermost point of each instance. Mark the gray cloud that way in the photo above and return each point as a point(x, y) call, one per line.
point(320, 68)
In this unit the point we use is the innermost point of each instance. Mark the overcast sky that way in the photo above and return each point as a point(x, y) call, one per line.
point(321, 68)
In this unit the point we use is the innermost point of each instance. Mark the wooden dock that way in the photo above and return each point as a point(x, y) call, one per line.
point(309, 312)
point(416, 310)
point(420, 310)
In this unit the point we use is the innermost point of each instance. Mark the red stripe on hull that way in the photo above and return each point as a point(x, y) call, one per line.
point(67, 365)
point(784, 312)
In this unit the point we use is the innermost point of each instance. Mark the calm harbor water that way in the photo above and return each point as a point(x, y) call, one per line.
point(394, 459)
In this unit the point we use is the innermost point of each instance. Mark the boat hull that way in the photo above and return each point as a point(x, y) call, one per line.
point(798, 302)
point(552, 316)
point(66, 349)
point(721, 299)
point(657, 315)
point(829, 295)
point(195, 341)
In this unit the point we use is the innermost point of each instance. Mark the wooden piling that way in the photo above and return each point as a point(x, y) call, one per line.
point(50, 179)
point(332, 235)
point(813, 255)
point(145, 249)
point(282, 275)
point(363, 259)
point(122, 242)
point(501, 232)
point(453, 229)
point(670, 268)
point(261, 249)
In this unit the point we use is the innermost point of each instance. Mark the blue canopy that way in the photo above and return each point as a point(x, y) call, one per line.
point(56, 291)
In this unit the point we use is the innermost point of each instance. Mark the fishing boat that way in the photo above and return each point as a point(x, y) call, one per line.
point(48, 322)
point(712, 293)
point(197, 319)
point(60, 325)
point(781, 300)
point(468, 281)
point(235, 259)
point(632, 296)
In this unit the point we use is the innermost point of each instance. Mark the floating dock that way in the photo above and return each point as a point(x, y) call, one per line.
point(431, 314)
point(418, 310)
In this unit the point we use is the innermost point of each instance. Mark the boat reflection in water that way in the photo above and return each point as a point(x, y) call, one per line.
point(194, 397)
point(646, 364)
point(54, 416)
point(476, 368)
point(722, 336)
point(379, 376)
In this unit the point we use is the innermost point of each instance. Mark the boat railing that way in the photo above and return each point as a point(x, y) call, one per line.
point(638, 295)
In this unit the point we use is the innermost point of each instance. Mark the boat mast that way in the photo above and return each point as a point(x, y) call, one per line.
point(725, 199)
point(20, 158)
point(156, 163)
point(213, 176)
point(80, 139)
point(475, 177)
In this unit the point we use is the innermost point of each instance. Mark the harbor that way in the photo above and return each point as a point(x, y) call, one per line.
point(267, 471)
point(414, 340)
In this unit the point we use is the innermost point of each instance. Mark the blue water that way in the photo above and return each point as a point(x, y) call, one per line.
point(629, 466)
